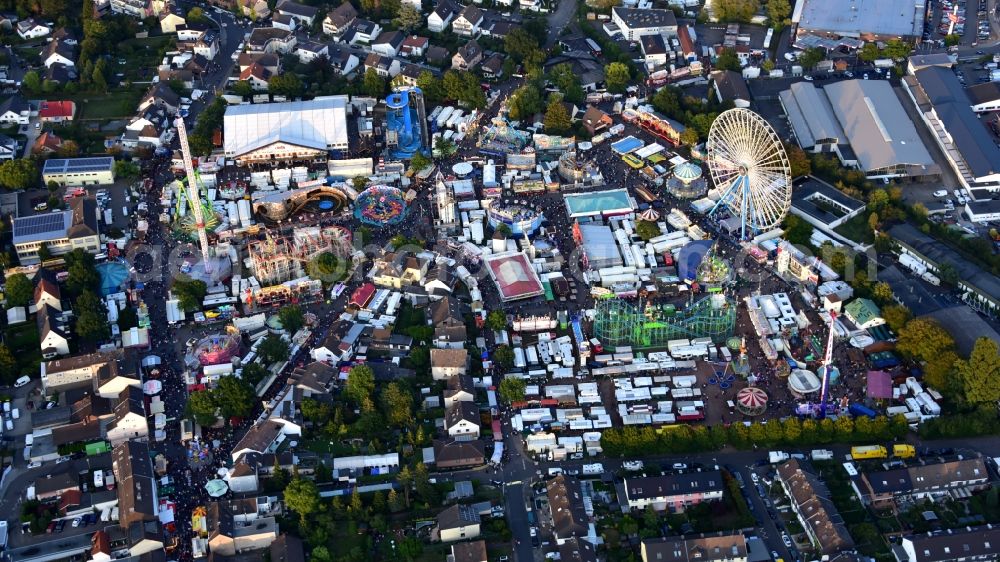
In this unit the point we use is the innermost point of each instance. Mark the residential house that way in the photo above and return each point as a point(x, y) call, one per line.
point(964, 544)
point(720, 547)
point(242, 477)
point(55, 485)
point(673, 492)
point(148, 128)
point(362, 31)
point(414, 46)
point(436, 56)
point(382, 65)
point(499, 28)
point(913, 484)
point(459, 388)
point(688, 48)
point(446, 363)
point(730, 86)
point(270, 61)
point(339, 19)
point(257, 76)
point(8, 21)
point(305, 15)
point(810, 500)
point(77, 372)
point(492, 67)
point(468, 56)
point(263, 437)
point(315, 380)
point(9, 148)
point(454, 454)
point(61, 73)
point(637, 22)
point(161, 95)
point(458, 522)
point(46, 144)
point(15, 111)
point(65, 231)
point(444, 12)
point(864, 313)
point(271, 40)
point(169, 22)
point(257, 9)
point(388, 43)
point(398, 269)
point(287, 548)
point(199, 41)
point(139, 9)
point(585, 65)
point(56, 111)
point(53, 333)
point(308, 51)
point(343, 60)
point(468, 22)
point(595, 120)
point(32, 29)
point(340, 342)
point(448, 323)
point(57, 52)
point(47, 291)
point(129, 423)
point(241, 525)
point(473, 551)
point(408, 76)
point(654, 50)
point(281, 21)
point(133, 471)
point(383, 339)
point(569, 518)
point(576, 550)
point(461, 421)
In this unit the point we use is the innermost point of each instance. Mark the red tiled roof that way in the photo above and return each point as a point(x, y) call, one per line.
point(57, 109)
point(363, 295)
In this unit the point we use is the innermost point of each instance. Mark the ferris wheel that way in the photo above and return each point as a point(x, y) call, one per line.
point(750, 169)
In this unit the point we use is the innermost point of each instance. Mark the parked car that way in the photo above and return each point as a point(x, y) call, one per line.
point(787, 540)
point(22, 381)
point(941, 193)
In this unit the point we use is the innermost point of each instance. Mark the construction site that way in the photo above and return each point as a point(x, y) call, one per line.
point(277, 259)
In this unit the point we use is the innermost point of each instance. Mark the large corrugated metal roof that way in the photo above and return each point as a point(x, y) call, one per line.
point(319, 123)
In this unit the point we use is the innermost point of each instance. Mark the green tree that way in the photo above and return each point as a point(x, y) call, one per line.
point(302, 497)
point(328, 267)
point(288, 84)
point(949, 40)
point(797, 231)
point(190, 293)
point(430, 85)
point(647, 230)
point(557, 118)
point(882, 292)
point(924, 339)
point(8, 365)
point(19, 173)
point(360, 386)
point(408, 18)
point(20, 290)
point(397, 404)
point(125, 169)
point(273, 349)
point(778, 12)
point(727, 60)
point(980, 374)
point(195, 15)
point(512, 389)
point(736, 10)
point(444, 147)
point(563, 77)
point(523, 47)
point(496, 320)
point(690, 137)
point(201, 407)
point(503, 356)
point(939, 373)
point(419, 161)
point(869, 52)
point(811, 57)
point(91, 317)
point(235, 397)
point(896, 316)
point(525, 102)
point(423, 486)
point(292, 318)
point(798, 160)
point(32, 82)
point(897, 49)
point(242, 88)
point(616, 77)
point(372, 84)
point(254, 373)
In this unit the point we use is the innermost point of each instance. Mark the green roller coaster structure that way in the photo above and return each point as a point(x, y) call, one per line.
point(649, 326)
point(184, 222)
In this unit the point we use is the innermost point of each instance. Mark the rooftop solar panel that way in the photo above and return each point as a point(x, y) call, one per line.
point(69, 165)
point(39, 227)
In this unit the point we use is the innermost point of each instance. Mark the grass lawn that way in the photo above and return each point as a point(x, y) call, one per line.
point(857, 229)
point(23, 343)
point(323, 445)
point(113, 105)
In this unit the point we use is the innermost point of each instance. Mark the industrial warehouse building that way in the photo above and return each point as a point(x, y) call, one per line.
point(870, 20)
point(947, 112)
point(79, 171)
point(863, 122)
point(300, 131)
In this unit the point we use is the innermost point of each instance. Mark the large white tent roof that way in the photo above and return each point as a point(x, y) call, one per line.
point(320, 123)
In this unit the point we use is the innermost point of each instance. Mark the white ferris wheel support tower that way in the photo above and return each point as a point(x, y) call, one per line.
point(194, 197)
